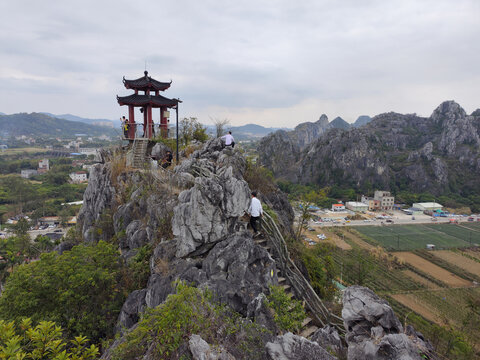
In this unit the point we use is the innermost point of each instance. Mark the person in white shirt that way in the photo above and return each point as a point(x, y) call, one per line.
point(229, 140)
point(255, 210)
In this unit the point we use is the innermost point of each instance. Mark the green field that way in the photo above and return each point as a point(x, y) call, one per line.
point(411, 237)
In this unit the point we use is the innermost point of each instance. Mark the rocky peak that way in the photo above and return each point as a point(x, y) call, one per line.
point(322, 120)
point(339, 123)
point(448, 112)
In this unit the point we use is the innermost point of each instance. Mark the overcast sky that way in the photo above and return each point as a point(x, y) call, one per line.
point(274, 63)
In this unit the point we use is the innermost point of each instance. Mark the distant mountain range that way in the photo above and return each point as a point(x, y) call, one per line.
point(40, 124)
point(244, 132)
point(438, 154)
point(70, 117)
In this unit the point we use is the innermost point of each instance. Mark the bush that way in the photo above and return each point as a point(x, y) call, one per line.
point(288, 313)
point(191, 311)
point(44, 341)
point(81, 290)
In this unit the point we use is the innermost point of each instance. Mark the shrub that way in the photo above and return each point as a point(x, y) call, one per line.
point(189, 311)
point(43, 341)
point(288, 313)
point(81, 290)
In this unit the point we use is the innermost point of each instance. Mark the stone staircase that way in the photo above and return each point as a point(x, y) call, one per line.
point(308, 327)
point(136, 156)
point(293, 282)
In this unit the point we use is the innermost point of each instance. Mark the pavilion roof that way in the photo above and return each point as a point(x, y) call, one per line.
point(146, 82)
point(142, 100)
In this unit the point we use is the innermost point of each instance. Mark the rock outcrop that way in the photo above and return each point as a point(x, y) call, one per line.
point(394, 151)
point(294, 347)
point(198, 235)
point(374, 332)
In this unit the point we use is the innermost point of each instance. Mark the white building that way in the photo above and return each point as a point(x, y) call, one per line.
point(26, 174)
point(78, 176)
point(338, 207)
point(432, 206)
point(356, 206)
point(385, 198)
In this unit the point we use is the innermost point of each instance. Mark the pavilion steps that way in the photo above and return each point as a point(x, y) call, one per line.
point(139, 150)
point(308, 327)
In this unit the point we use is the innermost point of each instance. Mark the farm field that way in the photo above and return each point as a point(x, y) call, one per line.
point(331, 237)
point(472, 253)
point(459, 260)
point(421, 280)
point(436, 271)
point(411, 237)
point(424, 287)
point(29, 150)
point(412, 302)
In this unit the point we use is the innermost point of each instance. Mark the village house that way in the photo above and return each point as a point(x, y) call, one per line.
point(356, 206)
point(28, 173)
point(78, 176)
point(43, 166)
point(338, 207)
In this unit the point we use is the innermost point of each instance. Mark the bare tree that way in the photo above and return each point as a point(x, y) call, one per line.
point(220, 125)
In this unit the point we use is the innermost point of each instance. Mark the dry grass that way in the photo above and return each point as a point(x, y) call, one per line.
point(161, 266)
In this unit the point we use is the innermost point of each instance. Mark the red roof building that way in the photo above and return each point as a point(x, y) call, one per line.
point(146, 102)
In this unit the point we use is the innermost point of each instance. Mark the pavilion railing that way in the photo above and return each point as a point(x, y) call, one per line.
point(139, 131)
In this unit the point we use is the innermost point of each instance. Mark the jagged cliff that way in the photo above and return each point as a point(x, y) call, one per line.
point(394, 151)
point(192, 216)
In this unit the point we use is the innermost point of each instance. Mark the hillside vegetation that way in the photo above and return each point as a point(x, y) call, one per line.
point(38, 124)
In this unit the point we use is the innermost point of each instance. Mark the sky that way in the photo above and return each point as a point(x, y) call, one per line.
point(275, 63)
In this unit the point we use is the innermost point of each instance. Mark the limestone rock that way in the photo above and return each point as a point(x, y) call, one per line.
point(421, 154)
point(329, 339)
point(258, 311)
point(98, 197)
point(294, 347)
point(133, 306)
point(159, 151)
point(373, 330)
point(201, 350)
point(208, 212)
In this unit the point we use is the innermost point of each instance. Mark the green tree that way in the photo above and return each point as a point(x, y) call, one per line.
point(191, 129)
point(82, 290)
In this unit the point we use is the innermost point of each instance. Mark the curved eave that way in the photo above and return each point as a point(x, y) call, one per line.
point(146, 83)
point(143, 100)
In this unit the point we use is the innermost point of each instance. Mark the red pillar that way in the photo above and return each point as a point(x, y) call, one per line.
point(131, 121)
point(149, 122)
point(145, 117)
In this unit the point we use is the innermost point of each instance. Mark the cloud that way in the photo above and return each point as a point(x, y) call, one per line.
point(277, 62)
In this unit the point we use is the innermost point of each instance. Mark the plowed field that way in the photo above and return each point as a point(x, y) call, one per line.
point(435, 271)
point(421, 280)
point(459, 260)
point(475, 254)
point(411, 301)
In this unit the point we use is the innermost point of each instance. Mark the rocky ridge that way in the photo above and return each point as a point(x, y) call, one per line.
point(393, 151)
point(192, 217)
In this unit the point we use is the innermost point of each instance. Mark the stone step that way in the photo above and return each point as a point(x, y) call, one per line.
point(306, 321)
point(281, 279)
point(261, 241)
point(286, 287)
point(308, 331)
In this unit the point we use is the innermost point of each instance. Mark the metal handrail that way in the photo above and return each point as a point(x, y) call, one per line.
point(156, 129)
point(302, 287)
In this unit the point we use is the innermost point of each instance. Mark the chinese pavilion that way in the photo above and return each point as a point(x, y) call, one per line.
point(146, 102)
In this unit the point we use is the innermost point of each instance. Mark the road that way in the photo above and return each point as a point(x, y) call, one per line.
point(399, 220)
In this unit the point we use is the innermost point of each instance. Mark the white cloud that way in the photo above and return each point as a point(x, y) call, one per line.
point(275, 62)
